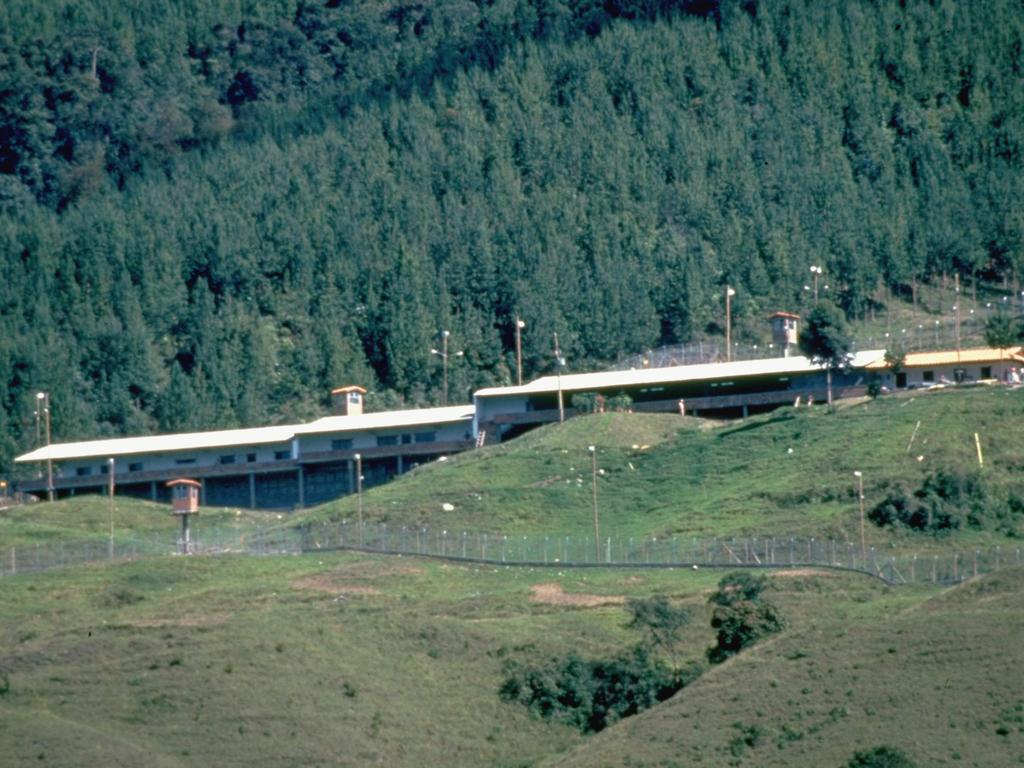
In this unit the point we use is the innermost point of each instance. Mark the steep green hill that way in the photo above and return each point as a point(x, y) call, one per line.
point(210, 216)
point(788, 472)
point(941, 681)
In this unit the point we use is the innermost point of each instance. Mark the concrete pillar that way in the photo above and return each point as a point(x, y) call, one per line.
point(745, 414)
point(301, 477)
point(202, 491)
point(401, 464)
point(351, 476)
point(252, 490)
point(152, 491)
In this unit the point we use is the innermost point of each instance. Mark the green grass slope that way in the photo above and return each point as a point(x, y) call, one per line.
point(87, 517)
point(942, 680)
point(788, 472)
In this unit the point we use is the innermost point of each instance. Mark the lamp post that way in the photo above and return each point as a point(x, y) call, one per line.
point(860, 494)
point(359, 494)
point(519, 350)
point(593, 492)
point(43, 405)
point(559, 364)
point(110, 500)
point(816, 271)
point(729, 293)
point(443, 354)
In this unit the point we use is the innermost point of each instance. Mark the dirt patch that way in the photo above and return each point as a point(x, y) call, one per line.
point(546, 482)
point(331, 584)
point(207, 620)
point(553, 594)
point(352, 578)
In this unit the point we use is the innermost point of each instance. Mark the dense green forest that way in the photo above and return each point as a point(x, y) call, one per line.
point(212, 211)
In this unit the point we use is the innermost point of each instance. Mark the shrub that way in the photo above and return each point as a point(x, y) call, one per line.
point(948, 500)
point(591, 695)
point(741, 617)
point(880, 757)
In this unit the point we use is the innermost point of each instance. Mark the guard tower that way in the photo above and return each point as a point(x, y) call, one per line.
point(784, 331)
point(184, 503)
point(347, 401)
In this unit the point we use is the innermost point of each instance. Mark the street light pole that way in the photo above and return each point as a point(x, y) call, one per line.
point(519, 350)
point(729, 293)
point(816, 271)
point(860, 494)
point(43, 402)
point(559, 362)
point(110, 493)
point(359, 494)
point(443, 354)
point(593, 488)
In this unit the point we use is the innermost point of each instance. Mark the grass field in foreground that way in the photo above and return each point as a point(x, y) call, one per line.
point(345, 660)
point(787, 472)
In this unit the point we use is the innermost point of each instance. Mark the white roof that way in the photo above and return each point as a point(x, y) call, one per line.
point(581, 382)
point(388, 419)
point(192, 441)
point(184, 441)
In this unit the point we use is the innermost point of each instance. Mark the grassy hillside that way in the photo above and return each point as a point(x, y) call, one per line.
point(86, 517)
point(344, 660)
point(940, 680)
point(782, 473)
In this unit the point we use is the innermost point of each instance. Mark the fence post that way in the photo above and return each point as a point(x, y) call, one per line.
point(935, 566)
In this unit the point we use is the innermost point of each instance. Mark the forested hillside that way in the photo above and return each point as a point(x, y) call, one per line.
point(212, 211)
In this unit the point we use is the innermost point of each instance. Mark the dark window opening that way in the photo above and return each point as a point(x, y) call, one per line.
point(928, 376)
point(342, 444)
point(83, 471)
point(387, 439)
point(135, 467)
point(250, 457)
point(426, 437)
point(986, 372)
point(282, 455)
point(227, 459)
point(185, 461)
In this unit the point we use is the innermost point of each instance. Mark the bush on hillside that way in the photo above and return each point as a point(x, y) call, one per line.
point(741, 616)
point(880, 757)
point(591, 695)
point(948, 500)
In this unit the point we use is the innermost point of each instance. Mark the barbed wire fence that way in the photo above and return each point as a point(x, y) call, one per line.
point(537, 550)
point(774, 552)
point(926, 335)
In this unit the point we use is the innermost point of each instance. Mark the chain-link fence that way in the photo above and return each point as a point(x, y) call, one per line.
point(664, 552)
point(925, 335)
point(531, 550)
point(43, 556)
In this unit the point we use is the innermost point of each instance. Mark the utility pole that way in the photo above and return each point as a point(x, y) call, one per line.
point(519, 350)
point(729, 293)
point(110, 500)
point(43, 403)
point(956, 306)
point(863, 540)
point(593, 487)
point(359, 494)
point(559, 362)
point(443, 354)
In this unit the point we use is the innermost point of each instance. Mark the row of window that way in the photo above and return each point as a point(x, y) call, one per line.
point(384, 440)
point(344, 444)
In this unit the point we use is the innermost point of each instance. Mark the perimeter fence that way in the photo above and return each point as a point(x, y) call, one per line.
point(537, 550)
point(776, 552)
point(46, 555)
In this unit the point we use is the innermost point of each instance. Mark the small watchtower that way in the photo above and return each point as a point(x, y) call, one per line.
point(784, 331)
point(184, 504)
point(347, 401)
